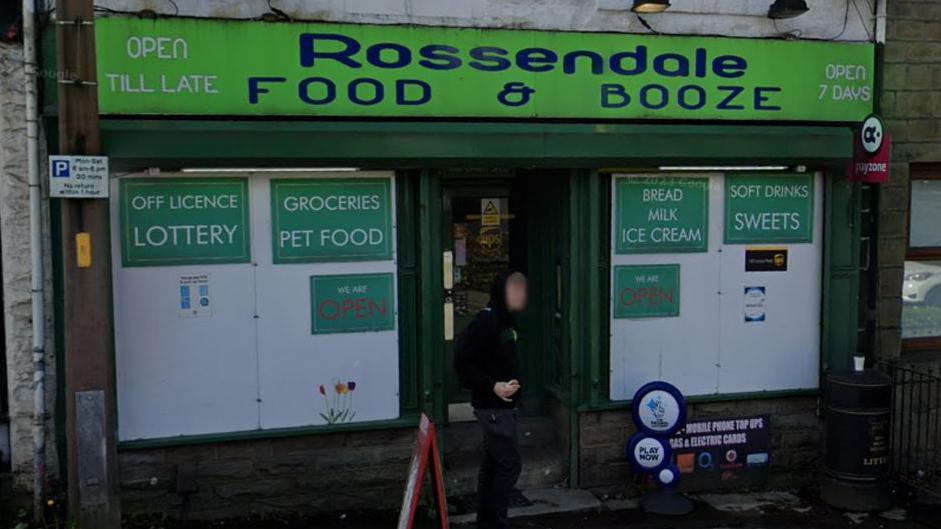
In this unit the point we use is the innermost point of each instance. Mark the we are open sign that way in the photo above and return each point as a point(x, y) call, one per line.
point(351, 303)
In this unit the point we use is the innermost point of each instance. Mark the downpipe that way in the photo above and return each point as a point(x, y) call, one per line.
point(36, 260)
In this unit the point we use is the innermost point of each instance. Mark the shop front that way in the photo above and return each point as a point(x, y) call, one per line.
point(305, 215)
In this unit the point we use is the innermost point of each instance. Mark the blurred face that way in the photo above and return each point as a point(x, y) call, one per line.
point(516, 293)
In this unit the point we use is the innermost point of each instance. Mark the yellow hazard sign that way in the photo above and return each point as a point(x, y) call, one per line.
point(490, 212)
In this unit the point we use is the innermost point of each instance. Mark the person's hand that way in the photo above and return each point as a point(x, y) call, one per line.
point(505, 390)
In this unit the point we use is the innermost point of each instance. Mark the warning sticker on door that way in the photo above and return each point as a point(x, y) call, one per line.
point(195, 299)
point(490, 212)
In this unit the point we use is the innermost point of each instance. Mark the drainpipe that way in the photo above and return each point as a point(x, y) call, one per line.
point(36, 261)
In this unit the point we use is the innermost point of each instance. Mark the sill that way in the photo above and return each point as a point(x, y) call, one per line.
point(610, 405)
point(408, 419)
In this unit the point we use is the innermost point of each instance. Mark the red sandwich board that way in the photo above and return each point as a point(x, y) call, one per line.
point(426, 448)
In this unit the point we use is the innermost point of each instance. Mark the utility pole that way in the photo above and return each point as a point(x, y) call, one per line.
point(89, 371)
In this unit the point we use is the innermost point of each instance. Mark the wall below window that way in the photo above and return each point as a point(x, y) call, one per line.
point(795, 440)
point(298, 475)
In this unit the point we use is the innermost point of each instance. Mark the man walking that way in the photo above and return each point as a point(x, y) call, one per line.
point(486, 359)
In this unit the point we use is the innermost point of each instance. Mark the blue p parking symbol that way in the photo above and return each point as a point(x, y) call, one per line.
point(61, 169)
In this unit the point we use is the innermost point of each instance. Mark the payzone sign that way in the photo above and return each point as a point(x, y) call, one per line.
point(181, 221)
point(215, 67)
point(351, 303)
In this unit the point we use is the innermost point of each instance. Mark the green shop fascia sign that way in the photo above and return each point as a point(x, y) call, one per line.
point(182, 221)
point(226, 67)
point(351, 303)
point(647, 291)
point(331, 219)
point(662, 215)
point(767, 208)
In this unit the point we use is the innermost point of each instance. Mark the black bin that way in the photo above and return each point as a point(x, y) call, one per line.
point(857, 460)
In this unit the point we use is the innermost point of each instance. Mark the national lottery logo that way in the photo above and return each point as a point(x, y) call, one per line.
point(655, 405)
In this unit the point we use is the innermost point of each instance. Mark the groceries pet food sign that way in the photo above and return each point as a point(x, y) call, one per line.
point(214, 67)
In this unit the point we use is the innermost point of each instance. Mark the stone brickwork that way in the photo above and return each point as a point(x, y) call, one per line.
point(15, 251)
point(795, 450)
point(911, 105)
point(301, 475)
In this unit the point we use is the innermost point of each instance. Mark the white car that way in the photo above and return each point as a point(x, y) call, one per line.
point(922, 284)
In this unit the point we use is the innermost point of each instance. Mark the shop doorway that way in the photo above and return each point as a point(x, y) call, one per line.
point(492, 223)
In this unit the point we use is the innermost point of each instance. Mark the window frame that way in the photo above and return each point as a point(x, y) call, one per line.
point(919, 171)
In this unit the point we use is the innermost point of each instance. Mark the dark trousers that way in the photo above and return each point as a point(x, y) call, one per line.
point(500, 468)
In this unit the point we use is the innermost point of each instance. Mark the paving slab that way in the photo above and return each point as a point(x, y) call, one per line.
point(545, 501)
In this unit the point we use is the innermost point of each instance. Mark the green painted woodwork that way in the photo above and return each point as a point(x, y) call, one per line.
point(769, 208)
point(406, 184)
point(331, 219)
point(841, 272)
point(189, 66)
point(133, 144)
point(662, 215)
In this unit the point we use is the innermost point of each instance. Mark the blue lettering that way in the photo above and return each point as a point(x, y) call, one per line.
point(303, 91)
point(726, 104)
point(254, 89)
point(436, 52)
point(489, 54)
point(400, 96)
point(614, 96)
point(353, 91)
point(536, 59)
point(761, 98)
point(684, 101)
point(403, 55)
point(681, 69)
point(309, 55)
point(638, 56)
point(645, 99)
point(597, 63)
point(729, 66)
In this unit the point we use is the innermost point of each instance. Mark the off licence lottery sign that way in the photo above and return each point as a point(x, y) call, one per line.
point(178, 221)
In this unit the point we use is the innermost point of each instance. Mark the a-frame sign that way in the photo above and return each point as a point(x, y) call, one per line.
point(426, 449)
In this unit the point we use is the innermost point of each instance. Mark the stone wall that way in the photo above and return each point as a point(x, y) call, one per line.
point(911, 104)
point(795, 445)
point(300, 475)
point(15, 251)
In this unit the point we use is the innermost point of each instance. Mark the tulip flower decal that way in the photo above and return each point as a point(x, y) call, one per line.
point(338, 406)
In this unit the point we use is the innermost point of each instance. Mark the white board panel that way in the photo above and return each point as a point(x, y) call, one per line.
point(681, 350)
point(293, 363)
point(709, 348)
point(783, 351)
point(178, 375)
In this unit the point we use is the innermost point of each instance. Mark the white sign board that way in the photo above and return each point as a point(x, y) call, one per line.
point(195, 300)
point(78, 176)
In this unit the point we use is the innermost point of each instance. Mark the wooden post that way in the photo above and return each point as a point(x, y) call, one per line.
point(89, 370)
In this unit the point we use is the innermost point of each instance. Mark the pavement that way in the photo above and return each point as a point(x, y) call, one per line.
point(578, 509)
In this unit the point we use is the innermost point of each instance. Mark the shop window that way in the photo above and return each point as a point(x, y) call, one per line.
point(256, 302)
point(716, 282)
point(921, 286)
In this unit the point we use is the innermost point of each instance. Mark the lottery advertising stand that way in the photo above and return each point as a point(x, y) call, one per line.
point(659, 411)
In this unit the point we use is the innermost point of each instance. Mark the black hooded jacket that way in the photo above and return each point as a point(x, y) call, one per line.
point(485, 352)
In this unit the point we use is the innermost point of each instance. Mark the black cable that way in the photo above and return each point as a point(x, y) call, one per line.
point(646, 24)
point(846, 16)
